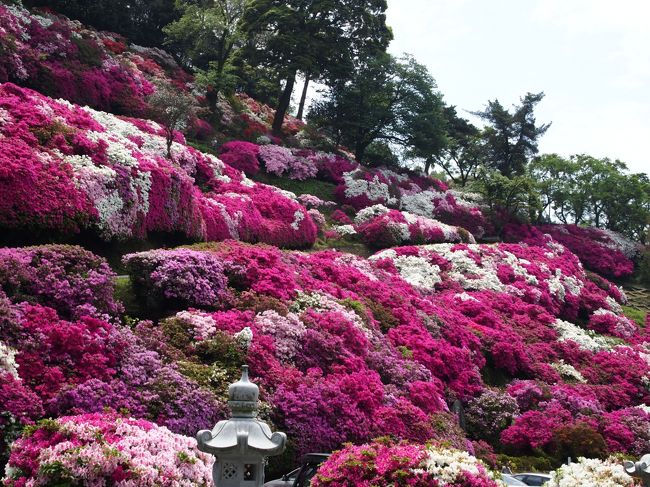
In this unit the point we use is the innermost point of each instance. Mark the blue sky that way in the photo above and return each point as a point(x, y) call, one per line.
point(590, 57)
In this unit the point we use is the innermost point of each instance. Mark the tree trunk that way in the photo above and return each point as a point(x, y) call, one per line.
point(303, 98)
point(360, 152)
point(283, 104)
point(427, 166)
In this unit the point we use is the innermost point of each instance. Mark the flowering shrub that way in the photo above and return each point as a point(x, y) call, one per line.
point(282, 161)
point(421, 196)
point(241, 155)
point(69, 279)
point(98, 449)
point(608, 473)
point(602, 251)
point(186, 276)
point(112, 175)
point(489, 414)
point(63, 59)
point(380, 227)
point(385, 463)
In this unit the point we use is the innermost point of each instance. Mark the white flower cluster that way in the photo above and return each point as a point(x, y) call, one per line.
point(448, 465)
point(568, 371)
point(374, 190)
point(586, 339)
point(8, 360)
point(298, 217)
point(370, 213)
point(624, 245)
point(415, 270)
point(244, 337)
point(344, 230)
point(591, 472)
point(624, 326)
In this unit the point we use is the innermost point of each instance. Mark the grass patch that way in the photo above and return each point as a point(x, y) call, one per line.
point(636, 315)
point(125, 294)
point(323, 190)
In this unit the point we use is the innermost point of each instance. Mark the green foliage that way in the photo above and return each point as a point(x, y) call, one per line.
point(584, 190)
point(511, 138)
point(141, 21)
point(507, 198)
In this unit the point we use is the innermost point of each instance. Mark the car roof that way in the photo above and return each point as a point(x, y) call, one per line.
point(540, 474)
point(315, 457)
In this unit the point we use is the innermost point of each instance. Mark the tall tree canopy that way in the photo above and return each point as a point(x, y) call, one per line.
point(314, 37)
point(387, 99)
point(512, 137)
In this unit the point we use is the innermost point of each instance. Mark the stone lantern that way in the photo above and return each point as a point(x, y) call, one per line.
point(241, 443)
point(640, 469)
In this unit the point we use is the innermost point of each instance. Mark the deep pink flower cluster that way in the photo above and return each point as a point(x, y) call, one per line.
point(602, 251)
point(113, 175)
point(106, 449)
point(241, 155)
point(69, 279)
point(62, 59)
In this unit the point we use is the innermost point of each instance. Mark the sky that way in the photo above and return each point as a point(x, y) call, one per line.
point(590, 57)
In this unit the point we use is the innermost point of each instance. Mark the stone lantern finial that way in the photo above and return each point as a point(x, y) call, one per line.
point(640, 469)
point(242, 442)
point(243, 396)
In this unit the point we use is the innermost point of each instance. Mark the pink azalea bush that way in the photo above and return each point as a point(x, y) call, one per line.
point(380, 227)
point(602, 251)
point(386, 463)
point(112, 175)
point(193, 278)
point(102, 449)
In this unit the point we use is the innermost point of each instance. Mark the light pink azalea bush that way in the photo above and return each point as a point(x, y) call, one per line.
point(380, 227)
point(386, 463)
point(111, 175)
point(419, 195)
point(106, 449)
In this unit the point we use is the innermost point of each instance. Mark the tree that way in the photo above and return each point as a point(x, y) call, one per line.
point(204, 38)
point(173, 109)
point(387, 100)
point(511, 138)
point(464, 151)
point(312, 37)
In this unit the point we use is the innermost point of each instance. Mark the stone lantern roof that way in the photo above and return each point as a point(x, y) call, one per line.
point(243, 434)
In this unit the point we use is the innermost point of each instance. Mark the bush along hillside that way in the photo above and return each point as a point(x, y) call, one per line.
point(372, 353)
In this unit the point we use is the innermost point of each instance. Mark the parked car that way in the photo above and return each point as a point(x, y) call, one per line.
point(301, 477)
point(533, 478)
point(510, 480)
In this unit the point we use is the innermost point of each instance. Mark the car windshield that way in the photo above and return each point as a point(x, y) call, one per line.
point(305, 476)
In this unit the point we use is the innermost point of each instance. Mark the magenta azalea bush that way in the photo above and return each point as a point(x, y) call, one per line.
point(67, 168)
point(63, 59)
point(602, 251)
point(105, 449)
point(386, 463)
point(69, 279)
point(442, 315)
